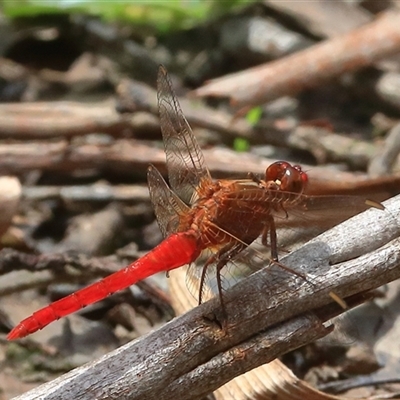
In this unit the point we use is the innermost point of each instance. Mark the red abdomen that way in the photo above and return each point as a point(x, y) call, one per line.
point(176, 250)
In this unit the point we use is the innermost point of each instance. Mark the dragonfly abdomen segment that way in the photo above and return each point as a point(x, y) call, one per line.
point(176, 250)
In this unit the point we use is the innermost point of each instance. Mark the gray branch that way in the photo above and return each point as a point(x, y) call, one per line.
point(268, 315)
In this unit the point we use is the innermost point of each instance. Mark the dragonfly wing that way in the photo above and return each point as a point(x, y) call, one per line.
point(297, 217)
point(168, 207)
point(325, 211)
point(185, 160)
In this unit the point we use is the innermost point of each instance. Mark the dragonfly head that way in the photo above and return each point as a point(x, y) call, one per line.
point(286, 177)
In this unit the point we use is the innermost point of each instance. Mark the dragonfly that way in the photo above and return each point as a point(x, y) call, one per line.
point(199, 215)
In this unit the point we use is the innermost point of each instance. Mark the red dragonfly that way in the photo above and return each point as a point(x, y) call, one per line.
point(196, 213)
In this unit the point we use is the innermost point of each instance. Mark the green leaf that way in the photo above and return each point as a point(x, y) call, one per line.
point(254, 115)
point(241, 145)
point(163, 16)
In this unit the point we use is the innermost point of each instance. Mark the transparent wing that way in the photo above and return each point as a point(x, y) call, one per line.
point(296, 216)
point(168, 207)
point(326, 211)
point(185, 161)
point(290, 208)
point(296, 222)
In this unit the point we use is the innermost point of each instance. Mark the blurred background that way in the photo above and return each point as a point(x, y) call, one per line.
point(315, 83)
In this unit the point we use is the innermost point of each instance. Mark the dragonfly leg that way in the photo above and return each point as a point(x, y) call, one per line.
point(254, 178)
point(221, 258)
point(211, 260)
point(270, 229)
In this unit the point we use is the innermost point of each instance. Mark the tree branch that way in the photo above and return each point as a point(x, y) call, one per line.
point(192, 355)
point(308, 68)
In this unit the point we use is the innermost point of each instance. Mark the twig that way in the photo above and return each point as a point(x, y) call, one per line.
point(98, 192)
point(135, 96)
point(322, 19)
point(270, 377)
point(10, 194)
point(383, 162)
point(44, 120)
point(18, 283)
point(324, 145)
point(308, 68)
point(125, 156)
point(66, 119)
point(14, 260)
point(165, 363)
point(387, 88)
point(92, 233)
point(54, 119)
point(55, 267)
point(120, 155)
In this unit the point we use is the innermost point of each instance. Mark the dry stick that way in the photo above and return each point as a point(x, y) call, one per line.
point(52, 119)
point(52, 268)
point(67, 119)
point(272, 380)
point(324, 145)
point(356, 153)
point(120, 155)
point(383, 162)
point(55, 267)
point(18, 284)
point(92, 233)
point(321, 18)
point(10, 194)
point(127, 156)
point(388, 87)
point(135, 96)
point(14, 260)
point(98, 192)
point(44, 120)
point(308, 68)
point(165, 364)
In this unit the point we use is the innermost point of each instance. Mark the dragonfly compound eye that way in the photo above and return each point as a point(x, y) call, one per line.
point(276, 170)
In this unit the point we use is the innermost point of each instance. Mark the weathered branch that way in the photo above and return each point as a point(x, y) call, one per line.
point(166, 364)
point(134, 155)
point(98, 192)
point(51, 119)
point(67, 119)
point(310, 67)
